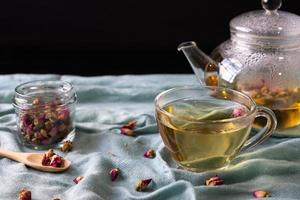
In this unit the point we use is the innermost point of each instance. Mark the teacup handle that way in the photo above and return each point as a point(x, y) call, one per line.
point(266, 131)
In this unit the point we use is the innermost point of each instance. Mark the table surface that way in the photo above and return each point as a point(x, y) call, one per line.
point(105, 103)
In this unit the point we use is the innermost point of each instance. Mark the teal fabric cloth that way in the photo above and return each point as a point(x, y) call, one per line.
point(104, 105)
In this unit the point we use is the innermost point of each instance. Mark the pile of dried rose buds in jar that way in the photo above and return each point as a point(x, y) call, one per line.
point(45, 112)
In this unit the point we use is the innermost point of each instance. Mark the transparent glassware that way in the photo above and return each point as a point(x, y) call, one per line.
point(261, 59)
point(45, 113)
point(204, 128)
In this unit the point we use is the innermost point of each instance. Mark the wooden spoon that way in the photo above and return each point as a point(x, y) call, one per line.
point(33, 160)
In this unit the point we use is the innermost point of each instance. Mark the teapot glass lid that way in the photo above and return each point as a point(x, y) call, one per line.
point(269, 23)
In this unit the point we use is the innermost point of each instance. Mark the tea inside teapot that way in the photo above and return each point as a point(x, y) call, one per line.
point(284, 102)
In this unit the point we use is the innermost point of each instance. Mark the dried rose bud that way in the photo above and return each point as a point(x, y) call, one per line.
point(64, 115)
point(47, 157)
point(128, 128)
point(142, 185)
point(29, 129)
point(150, 153)
point(42, 117)
point(24, 195)
point(57, 161)
point(77, 179)
point(114, 173)
point(50, 153)
point(36, 101)
point(46, 160)
point(36, 122)
point(25, 120)
point(237, 112)
point(261, 194)
point(128, 132)
point(215, 180)
point(48, 125)
point(53, 132)
point(67, 146)
point(38, 136)
point(43, 133)
point(48, 114)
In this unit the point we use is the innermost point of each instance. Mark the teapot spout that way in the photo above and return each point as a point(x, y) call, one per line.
point(205, 68)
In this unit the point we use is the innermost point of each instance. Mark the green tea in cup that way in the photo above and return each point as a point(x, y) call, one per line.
point(204, 128)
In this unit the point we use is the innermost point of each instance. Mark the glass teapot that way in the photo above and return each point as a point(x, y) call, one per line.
point(261, 59)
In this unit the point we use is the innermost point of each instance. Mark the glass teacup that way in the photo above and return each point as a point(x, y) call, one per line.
point(204, 128)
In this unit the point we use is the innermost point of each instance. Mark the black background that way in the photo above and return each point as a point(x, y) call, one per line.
point(96, 37)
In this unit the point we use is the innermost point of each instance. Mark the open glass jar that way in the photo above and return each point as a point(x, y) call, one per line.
point(45, 113)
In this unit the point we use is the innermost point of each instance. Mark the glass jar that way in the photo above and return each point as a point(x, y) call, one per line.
point(45, 113)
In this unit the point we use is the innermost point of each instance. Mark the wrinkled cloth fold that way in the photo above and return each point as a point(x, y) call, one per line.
point(105, 103)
